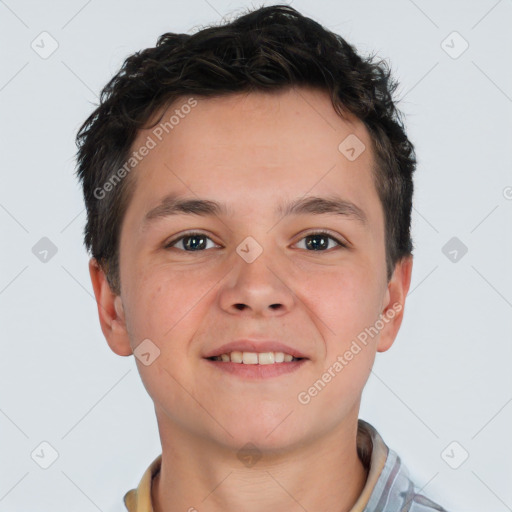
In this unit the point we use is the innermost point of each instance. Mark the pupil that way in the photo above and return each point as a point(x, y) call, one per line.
point(194, 238)
point(316, 245)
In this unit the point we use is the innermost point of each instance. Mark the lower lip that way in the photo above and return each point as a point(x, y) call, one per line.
point(257, 371)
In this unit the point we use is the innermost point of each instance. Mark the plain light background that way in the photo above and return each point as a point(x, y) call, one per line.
point(446, 379)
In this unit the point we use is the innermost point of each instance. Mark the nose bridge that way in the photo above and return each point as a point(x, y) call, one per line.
point(258, 279)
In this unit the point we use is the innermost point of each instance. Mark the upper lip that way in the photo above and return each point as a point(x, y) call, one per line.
point(254, 346)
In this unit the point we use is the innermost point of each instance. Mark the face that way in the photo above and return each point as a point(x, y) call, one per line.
point(312, 279)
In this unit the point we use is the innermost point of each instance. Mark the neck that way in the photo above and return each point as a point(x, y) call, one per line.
point(196, 475)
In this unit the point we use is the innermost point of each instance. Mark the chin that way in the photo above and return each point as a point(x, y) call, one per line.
point(269, 433)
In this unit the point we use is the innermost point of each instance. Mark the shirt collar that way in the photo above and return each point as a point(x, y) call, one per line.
point(372, 451)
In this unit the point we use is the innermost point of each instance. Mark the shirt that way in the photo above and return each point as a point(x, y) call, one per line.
point(388, 487)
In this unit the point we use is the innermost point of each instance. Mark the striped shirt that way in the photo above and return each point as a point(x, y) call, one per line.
point(388, 487)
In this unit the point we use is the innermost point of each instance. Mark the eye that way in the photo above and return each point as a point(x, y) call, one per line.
point(196, 241)
point(318, 240)
point(192, 242)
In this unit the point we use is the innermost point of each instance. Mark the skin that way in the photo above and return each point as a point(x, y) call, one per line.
point(252, 151)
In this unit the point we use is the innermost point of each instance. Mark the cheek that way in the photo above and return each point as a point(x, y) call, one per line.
point(345, 301)
point(166, 305)
point(166, 308)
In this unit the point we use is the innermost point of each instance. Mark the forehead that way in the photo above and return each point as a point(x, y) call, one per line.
point(256, 145)
point(271, 126)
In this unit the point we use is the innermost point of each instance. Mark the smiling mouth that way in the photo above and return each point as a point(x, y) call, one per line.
point(255, 358)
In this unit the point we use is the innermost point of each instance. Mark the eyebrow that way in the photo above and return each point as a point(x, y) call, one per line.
point(312, 205)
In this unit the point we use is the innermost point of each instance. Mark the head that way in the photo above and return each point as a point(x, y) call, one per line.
point(255, 114)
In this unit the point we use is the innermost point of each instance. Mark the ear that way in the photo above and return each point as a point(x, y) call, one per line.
point(394, 303)
point(110, 311)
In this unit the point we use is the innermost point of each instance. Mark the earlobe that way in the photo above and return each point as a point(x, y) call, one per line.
point(110, 311)
point(393, 311)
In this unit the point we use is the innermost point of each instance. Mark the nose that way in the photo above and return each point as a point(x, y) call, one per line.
point(258, 288)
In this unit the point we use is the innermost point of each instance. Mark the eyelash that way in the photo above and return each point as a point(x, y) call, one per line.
point(170, 244)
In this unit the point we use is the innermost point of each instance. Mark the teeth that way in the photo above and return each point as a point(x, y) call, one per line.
point(250, 358)
point(266, 358)
point(278, 357)
point(236, 357)
point(255, 357)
